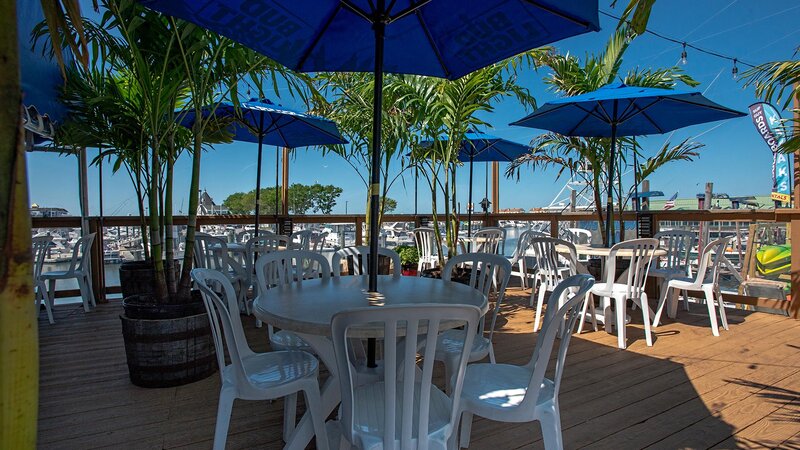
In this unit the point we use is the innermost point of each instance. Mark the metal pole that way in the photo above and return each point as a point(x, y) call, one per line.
point(379, 26)
point(258, 168)
point(416, 186)
point(469, 205)
point(635, 178)
point(277, 182)
point(610, 200)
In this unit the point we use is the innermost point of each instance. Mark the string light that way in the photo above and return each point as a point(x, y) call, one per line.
point(735, 70)
point(683, 54)
point(685, 45)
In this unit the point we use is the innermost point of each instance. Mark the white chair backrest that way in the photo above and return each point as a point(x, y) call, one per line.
point(549, 267)
point(558, 322)
point(487, 240)
point(80, 254)
point(209, 251)
point(220, 299)
point(578, 236)
point(523, 242)
point(360, 258)
point(708, 269)
point(290, 266)
point(677, 243)
point(486, 268)
point(425, 239)
point(301, 239)
point(316, 242)
point(641, 251)
point(266, 242)
point(404, 328)
point(40, 245)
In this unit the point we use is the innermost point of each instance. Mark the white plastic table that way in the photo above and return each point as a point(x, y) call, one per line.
point(307, 309)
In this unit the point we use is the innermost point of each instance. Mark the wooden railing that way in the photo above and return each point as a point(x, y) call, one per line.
point(554, 218)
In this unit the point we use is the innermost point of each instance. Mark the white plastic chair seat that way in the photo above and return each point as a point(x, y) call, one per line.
point(604, 290)
point(272, 370)
point(684, 283)
point(59, 274)
point(451, 342)
point(286, 340)
point(666, 272)
point(498, 387)
point(368, 404)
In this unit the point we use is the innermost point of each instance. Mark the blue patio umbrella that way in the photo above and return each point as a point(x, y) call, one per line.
point(264, 122)
point(443, 38)
point(619, 110)
point(481, 147)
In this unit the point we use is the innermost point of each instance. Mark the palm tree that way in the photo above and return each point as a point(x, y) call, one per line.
point(589, 157)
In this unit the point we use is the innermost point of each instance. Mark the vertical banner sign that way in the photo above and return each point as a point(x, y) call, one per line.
point(770, 126)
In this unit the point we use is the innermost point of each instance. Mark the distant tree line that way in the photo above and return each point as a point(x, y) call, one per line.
point(315, 198)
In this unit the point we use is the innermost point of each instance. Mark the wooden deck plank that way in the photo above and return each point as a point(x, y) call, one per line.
point(687, 379)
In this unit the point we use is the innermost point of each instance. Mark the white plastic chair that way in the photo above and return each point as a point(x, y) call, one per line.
point(250, 375)
point(451, 342)
point(40, 245)
point(266, 242)
point(678, 244)
point(579, 236)
point(486, 240)
point(211, 252)
point(79, 268)
point(360, 257)
point(633, 289)
point(316, 242)
point(300, 240)
point(706, 280)
point(509, 393)
point(427, 247)
point(519, 258)
point(284, 268)
point(550, 269)
point(404, 410)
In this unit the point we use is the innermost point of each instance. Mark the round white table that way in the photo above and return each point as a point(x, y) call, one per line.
point(307, 309)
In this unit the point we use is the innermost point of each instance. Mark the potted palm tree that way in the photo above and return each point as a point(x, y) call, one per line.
point(150, 70)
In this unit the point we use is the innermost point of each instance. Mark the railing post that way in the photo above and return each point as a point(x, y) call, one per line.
point(359, 231)
point(97, 261)
point(554, 227)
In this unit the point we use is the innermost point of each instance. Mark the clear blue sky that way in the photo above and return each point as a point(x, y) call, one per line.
point(735, 158)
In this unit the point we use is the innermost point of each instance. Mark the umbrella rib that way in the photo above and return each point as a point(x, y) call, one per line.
point(433, 43)
point(312, 125)
point(413, 8)
point(558, 13)
point(307, 52)
point(642, 112)
point(356, 10)
point(717, 108)
point(535, 114)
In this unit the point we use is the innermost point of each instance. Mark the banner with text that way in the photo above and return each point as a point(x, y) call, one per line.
point(770, 126)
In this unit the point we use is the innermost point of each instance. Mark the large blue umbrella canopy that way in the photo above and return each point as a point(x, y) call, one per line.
point(481, 147)
point(619, 110)
point(264, 122)
point(444, 38)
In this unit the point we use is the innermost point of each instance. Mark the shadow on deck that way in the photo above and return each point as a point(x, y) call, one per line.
point(690, 390)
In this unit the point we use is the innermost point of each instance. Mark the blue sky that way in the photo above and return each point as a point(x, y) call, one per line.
point(734, 158)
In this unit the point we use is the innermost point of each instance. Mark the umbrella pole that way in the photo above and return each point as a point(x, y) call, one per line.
point(469, 205)
point(610, 202)
point(636, 179)
point(258, 171)
point(375, 179)
point(277, 169)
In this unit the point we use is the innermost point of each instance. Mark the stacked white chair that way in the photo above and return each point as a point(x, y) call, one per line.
point(678, 244)
point(451, 342)
point(706, 280)
point(486, 240)
point(211, 252)
point(641, 252)
point(404, 410)
point(40, 245)
point(510, 393)
point(550, 271)
point(266, 242)
point(79, 269)
point(300, 240)
point(316, 241)
point(250, 375)
point(427, 248)
point(357, 260)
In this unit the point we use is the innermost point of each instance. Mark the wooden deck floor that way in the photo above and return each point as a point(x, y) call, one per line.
point(690, 390)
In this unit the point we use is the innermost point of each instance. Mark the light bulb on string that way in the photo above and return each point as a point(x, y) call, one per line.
point(735, 70)
point(683, 54)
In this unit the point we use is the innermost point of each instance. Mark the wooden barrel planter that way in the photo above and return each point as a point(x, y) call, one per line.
point(138, 277)
point(167, 345)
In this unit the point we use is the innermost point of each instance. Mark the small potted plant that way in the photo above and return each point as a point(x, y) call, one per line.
point(409, 259)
